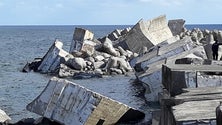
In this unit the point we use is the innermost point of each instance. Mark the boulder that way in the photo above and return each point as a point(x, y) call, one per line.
point(119, 63)
point(108, 47)
point(76, 63)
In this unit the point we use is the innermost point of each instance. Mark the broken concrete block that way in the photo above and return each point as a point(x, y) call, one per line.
point(4, 117)
point(88, 47)
point(178, 76)
point(108, 47)
point(146, 33)
point(176, 26)
point(71, 104)
point(52, 59)
point(165, 52)
point(79, 36)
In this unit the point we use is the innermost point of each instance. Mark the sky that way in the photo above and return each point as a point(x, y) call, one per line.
point(107, 12)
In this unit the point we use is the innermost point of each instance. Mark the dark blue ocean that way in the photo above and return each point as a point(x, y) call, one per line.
point(21, 44)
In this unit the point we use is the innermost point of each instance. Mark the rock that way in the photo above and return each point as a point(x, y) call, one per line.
point(113, 36)
point(122, 51)
point(52, 59)
point(98, 71)
point(119, 63)
point(108, 47)
point(86, 75)
point(146, 33)
point(71, 104)
point(65, 71)
point(99, 64)
point(76, 63)
point(79, 36)
point(118, 71)
point(176, 26)
point(99, 58)
point(33, 65)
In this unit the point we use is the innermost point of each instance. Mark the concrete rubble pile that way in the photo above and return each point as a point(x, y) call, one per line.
point(185, 62)
point(87, 57)
point(166, 57)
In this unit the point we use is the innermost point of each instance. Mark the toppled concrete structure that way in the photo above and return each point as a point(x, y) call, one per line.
point(4, 118)
point(80, 38)
point(71, 104)
point(51, 60)
point(164, 52)
point(146, 33)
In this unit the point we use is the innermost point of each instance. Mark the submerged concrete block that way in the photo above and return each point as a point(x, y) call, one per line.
point(79, 36)
point(71, 104)
point(147, 33)
point(179, 76)
point(51, 60)
point(4, 117)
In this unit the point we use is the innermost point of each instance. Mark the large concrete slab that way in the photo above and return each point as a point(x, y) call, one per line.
point(71, 104)
point(176, 26)
point(147, 33)
point(165, 52)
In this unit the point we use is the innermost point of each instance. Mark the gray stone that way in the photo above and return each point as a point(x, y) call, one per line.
point(76, 63)
point(146, 33)
point(119, 63)
point(176, 26)
point(71, 104)
point(99, 58)
point(118, 71)
point(99, 64)
point(108, 47)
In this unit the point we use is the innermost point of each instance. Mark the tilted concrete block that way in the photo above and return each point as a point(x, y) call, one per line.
point(71, 104)
point(51, 60)
point(146, 33)
point(79, 36)
point(165, 52)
